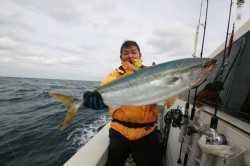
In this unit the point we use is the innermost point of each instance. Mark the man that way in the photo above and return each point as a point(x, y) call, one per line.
point(132, 127)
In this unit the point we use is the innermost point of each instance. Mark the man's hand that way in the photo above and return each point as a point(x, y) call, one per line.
point(93, 100)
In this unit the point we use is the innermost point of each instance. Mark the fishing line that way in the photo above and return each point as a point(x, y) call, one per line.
point(10, 148)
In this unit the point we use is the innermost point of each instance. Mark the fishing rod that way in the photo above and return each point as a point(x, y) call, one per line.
point(195, 94)
point(183, 127)
point(201, 53)
point(214, 118)
point(185, 119)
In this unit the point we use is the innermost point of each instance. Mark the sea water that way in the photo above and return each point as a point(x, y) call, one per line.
point(30, 120)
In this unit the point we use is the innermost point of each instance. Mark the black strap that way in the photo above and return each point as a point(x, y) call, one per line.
point(121, 68)
point(134, 125)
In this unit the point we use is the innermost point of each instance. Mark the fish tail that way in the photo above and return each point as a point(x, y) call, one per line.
point(72, 105)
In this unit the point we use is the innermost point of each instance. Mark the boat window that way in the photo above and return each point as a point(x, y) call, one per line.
point(234, 97)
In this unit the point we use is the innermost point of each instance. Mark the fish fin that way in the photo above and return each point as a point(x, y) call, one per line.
point(67, 120)
point(72, 105)
point(135, 68)
point(172, 80)
point(67, 100)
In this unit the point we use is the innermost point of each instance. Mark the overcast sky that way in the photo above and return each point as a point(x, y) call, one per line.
point(81, 39)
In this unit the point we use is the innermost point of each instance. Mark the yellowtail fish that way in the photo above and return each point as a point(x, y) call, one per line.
point(147, 85)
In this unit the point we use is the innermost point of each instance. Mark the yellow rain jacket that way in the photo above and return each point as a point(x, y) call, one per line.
point(133, 114)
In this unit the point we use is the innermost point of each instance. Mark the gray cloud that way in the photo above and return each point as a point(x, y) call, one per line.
point(174, 40)
point(60, 10)
point(81, 39)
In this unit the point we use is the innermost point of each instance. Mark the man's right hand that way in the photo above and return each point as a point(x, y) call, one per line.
point(93, 100)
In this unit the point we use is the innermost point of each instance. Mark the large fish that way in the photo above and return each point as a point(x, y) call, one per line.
point(148, 85)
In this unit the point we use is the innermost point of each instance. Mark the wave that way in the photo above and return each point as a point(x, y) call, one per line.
point(30, 121)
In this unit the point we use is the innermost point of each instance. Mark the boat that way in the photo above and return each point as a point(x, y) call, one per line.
point(219, 131)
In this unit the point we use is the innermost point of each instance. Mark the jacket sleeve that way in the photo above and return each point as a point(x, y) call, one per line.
point(111, 77)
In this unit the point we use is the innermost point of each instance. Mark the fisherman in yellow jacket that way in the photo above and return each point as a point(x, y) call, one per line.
point(133, 128)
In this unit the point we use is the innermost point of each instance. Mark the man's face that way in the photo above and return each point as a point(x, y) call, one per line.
point(130, 53)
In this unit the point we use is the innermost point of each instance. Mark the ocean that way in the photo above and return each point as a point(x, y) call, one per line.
point(30, 120)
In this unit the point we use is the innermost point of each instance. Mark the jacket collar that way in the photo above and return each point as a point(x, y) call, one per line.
point(125, 68)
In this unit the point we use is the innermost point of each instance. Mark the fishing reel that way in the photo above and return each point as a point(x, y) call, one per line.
point(174, 116)
point(213, 137)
